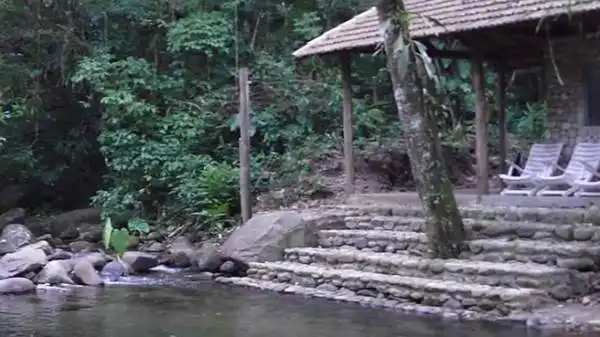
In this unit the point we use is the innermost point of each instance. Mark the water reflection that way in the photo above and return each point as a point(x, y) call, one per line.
point(210, 310)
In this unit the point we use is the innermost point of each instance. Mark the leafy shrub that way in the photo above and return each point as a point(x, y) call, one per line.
point(529, 123)
point(211, 193)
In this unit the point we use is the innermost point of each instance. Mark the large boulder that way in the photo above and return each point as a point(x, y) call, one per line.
point(13, 237)
point(90, 232)
point(180, 254)
point(69, 234)
point(67, 265)
point(115, 269)
point(97, 259)
point(42, 245)
point(12, 195)
point(85, 274)
point(54, 273)
point(62, 224)
point(81, 246)
point(84, 231)
point(16, 285)
point(15, 215)
point(264, 237)
point(140, 262)
point(210, 257)
point(25, 260)
point(154, 247)
point(59, 254)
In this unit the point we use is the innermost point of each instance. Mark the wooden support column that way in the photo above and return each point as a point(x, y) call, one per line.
point(245, 196)
point(347, 118)
point(481, 128)
point(501, 110)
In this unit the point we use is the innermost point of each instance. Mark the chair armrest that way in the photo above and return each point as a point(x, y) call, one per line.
point(513, 166)
point(589, 168)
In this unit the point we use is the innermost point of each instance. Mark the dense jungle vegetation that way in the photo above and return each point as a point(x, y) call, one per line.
point(131, 105)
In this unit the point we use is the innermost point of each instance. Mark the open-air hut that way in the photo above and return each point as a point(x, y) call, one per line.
point(561, 36)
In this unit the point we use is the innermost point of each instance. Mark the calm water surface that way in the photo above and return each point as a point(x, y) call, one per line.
point(209, 310)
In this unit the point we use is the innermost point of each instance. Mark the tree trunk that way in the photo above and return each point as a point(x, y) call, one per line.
point(445, 230)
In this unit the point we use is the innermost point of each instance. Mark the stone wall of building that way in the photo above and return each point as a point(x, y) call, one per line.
point(566, 102)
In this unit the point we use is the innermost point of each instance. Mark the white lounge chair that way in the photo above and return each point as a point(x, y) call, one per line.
point(588, 188)
point(541, 162)
point(581, 168)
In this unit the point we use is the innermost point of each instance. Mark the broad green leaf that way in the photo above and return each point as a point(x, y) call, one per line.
point(106, 235)
point(138, 225)
point(120, 239)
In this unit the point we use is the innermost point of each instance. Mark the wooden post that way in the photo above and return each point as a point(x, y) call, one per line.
point(501, 109)
point(347, 118)
point(481, 128)
point(245, 196)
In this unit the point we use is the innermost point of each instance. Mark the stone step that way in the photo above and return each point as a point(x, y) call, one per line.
point(560, 283)
point(376, 241)
point(530, 214)
point(351, 297)
point(570, 255)
point(450, 294)
point(479, 229)
point(385, 222)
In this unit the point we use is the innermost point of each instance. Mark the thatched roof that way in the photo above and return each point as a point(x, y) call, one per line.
point(453, 15)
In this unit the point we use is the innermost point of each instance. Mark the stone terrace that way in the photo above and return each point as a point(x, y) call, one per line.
point(374, 252)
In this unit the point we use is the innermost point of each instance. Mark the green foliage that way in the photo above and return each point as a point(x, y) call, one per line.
point(118, 239)
point(530, 121)
point(206, 33)
point(526, 117)
point(134, 104)
point(138, 225)
point(209, 193)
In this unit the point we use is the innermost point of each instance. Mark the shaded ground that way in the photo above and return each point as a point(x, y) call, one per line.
point(377, 169)
point(467, 197)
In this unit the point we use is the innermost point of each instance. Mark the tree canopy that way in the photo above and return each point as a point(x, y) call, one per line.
point(132, 104)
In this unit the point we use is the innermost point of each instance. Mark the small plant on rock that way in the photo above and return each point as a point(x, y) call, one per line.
point(118, 239)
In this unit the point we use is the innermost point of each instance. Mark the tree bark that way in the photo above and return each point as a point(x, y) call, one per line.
point(445, 229)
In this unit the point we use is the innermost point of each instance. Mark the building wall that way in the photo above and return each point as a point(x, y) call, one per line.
point(566, 103)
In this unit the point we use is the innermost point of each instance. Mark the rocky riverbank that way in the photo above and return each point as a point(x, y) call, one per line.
point(290, 252)
point(68, 249)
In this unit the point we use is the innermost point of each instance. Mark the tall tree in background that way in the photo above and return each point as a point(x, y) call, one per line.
point(413, 79)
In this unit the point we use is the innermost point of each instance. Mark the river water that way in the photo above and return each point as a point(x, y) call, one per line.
point(201, 308)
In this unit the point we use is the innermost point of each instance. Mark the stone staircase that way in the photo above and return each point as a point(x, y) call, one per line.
point(520, 260)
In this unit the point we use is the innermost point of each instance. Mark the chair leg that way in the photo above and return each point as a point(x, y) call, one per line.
point(541, 192)
point(570, 191)
point(534, 191)
point(584, 192)
point(510, 190)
